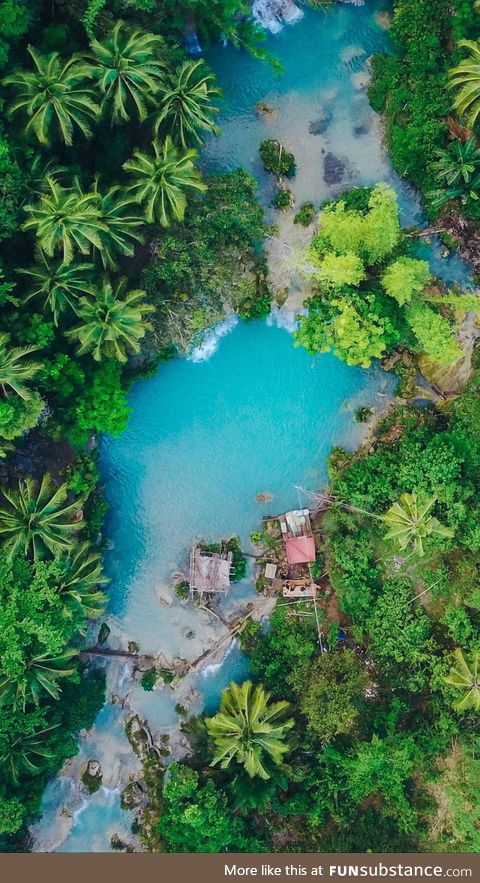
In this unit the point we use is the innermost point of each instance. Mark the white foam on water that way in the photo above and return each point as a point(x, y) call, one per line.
point(210, 343)
point(279, 317)
point(215, 667)
point(273, 14)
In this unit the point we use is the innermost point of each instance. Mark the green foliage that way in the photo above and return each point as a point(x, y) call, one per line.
point(410, 86)
point(465, 79)
point(276, 159)
point(433, 333)
point(405, 278)
point(101, 405)
point(196, 817)
point(249, 730)
point(283, 199)
point(463, 677)
point(149, 679)
point(331, 693)
point(111, 322)
point(186, 103)
point(305, 214)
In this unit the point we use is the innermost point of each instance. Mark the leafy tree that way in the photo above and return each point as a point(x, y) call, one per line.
point(383, 768)
point(335, 270)
point(16, 369)
point(331, 693)
point(433, 332)
point(18, 415)
point(15, 18)
point(111, 323)
point(186, 103)
point(196, 816)
point(66, 219)
point(159, 181)
point(404, 278)
point(58, 284)
point(248, 730)
point(128, 67)
point(372, 234)
point(53, 97)
point(100, 406)
point(465, 79)
point(13, 184)
point(465, 678)
point(34, 521)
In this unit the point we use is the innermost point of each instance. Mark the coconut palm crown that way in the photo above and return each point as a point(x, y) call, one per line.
point(159, 181)
point(186, 107)
point(112, 323)
point(53, 97)
point(16, 369)
point(250, 730)
point(33, 520)
point(128, 67)
point(410, 522)
point(57, 284)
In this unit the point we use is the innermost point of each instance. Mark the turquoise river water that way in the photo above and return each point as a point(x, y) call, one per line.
point(247, 414)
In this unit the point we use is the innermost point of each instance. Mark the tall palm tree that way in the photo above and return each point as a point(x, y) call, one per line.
point(53, 97)
point(465, 78)
point(57, 284)
point(160, 179)
point(34, 521)
point(186, 107)
point(128, 67)
point(15, 368)
point(79, 583)
point(250, 730)
point(26, 752)
point(112, 323)
point(465, 677)
point(410, 522)
point(40, 675)
point(121, 217)
point(66, 220)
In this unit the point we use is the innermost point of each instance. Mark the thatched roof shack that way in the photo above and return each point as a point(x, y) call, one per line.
point(209, 571)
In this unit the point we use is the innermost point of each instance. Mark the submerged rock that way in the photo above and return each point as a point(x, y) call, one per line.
point(103, 634)
point(320, 125)
point(333, 169)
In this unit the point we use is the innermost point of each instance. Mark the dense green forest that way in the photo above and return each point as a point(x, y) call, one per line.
point(372, 745)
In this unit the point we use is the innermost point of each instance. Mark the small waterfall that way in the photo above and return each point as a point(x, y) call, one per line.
point(273, 14)
point(212, 338)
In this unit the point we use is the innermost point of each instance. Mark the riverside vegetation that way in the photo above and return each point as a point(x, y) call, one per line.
point(374, 744)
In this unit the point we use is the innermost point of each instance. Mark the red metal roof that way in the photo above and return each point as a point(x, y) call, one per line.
point(300, 550)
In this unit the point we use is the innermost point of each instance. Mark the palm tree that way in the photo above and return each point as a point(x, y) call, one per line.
point(53, 97)
point(159, 181)
point(465, 677)
point(128, 68)
point(121, 217)
point(33, 520)
point(40, 675)
point(15, 368)
point(59, 285)
point(26, 753)
point(465, 78)
point(186, 107)
point(249, 730)
point(458, 163)
point(79, 581)
point(66, 220)
point(410, 522)
point(111, 323)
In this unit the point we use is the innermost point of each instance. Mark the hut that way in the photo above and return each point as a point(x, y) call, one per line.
point(209, 571)
point(297, 535)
